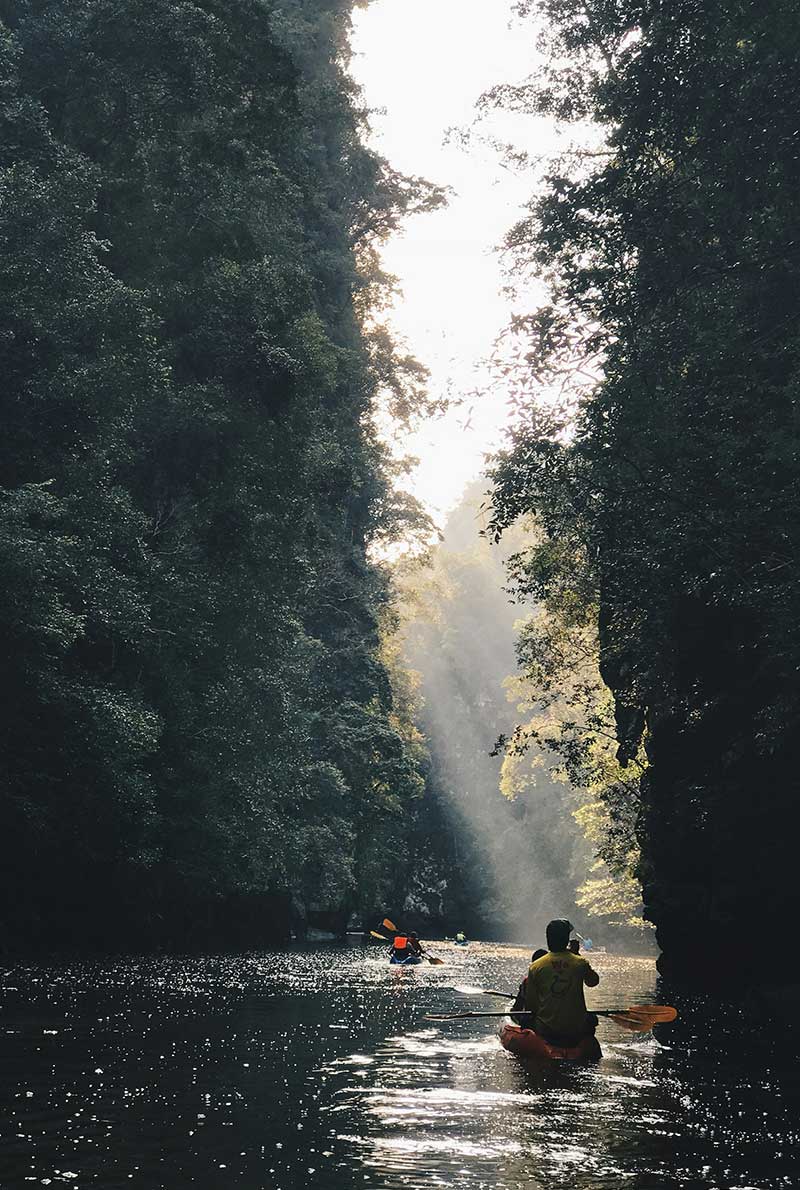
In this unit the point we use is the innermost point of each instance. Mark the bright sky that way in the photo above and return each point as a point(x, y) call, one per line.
point(426, 62)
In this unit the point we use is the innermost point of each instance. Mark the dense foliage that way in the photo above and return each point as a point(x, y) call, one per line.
point(198, 731)
point(667, 491)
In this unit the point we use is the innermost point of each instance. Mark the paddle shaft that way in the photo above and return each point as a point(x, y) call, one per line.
point(513, 995)
point(454, 1016)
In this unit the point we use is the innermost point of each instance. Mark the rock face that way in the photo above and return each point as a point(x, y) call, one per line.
point(718, 824)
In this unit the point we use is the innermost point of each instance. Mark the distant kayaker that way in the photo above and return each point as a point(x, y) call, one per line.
point(554, 990)
point(405, 945)
point(461, 938)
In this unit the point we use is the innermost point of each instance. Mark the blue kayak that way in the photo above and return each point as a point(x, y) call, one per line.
point(409, 961)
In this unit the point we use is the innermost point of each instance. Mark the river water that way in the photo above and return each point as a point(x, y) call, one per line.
point(314, 1067)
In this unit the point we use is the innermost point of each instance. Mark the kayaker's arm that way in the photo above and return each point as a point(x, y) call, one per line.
point(531, 995)
point(590, 976)
point(518, 1005)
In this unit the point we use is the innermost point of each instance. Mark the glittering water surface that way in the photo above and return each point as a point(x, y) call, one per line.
point(314, 1067)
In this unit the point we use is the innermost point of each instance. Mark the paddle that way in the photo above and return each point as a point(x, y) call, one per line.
point(389, 925)
point(639, 1018)
point(659, 1014)
point(381, 937)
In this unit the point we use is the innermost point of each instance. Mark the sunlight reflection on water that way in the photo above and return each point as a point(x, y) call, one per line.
point(277, 1071)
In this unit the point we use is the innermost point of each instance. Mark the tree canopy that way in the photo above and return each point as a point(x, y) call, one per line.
point(196, 712)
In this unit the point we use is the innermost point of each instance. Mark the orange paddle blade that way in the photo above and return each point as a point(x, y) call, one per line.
point(631, 1023)
point(389, 925)
point(659, 1014)
point(640, 1018)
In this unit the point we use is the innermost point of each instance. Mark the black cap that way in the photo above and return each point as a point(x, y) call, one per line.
point(558, 932)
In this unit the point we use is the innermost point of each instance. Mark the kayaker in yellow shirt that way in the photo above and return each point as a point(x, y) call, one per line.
point(554, 990)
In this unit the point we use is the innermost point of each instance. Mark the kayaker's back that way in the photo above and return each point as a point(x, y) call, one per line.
point(554, 993)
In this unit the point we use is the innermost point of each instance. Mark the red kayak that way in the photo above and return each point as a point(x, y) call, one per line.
point(527, 1044)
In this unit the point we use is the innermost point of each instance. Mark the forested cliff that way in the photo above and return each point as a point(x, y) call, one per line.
point(198, 734)
point(666, 482)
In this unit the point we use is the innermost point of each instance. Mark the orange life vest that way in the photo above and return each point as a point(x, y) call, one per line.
point(400, 942)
